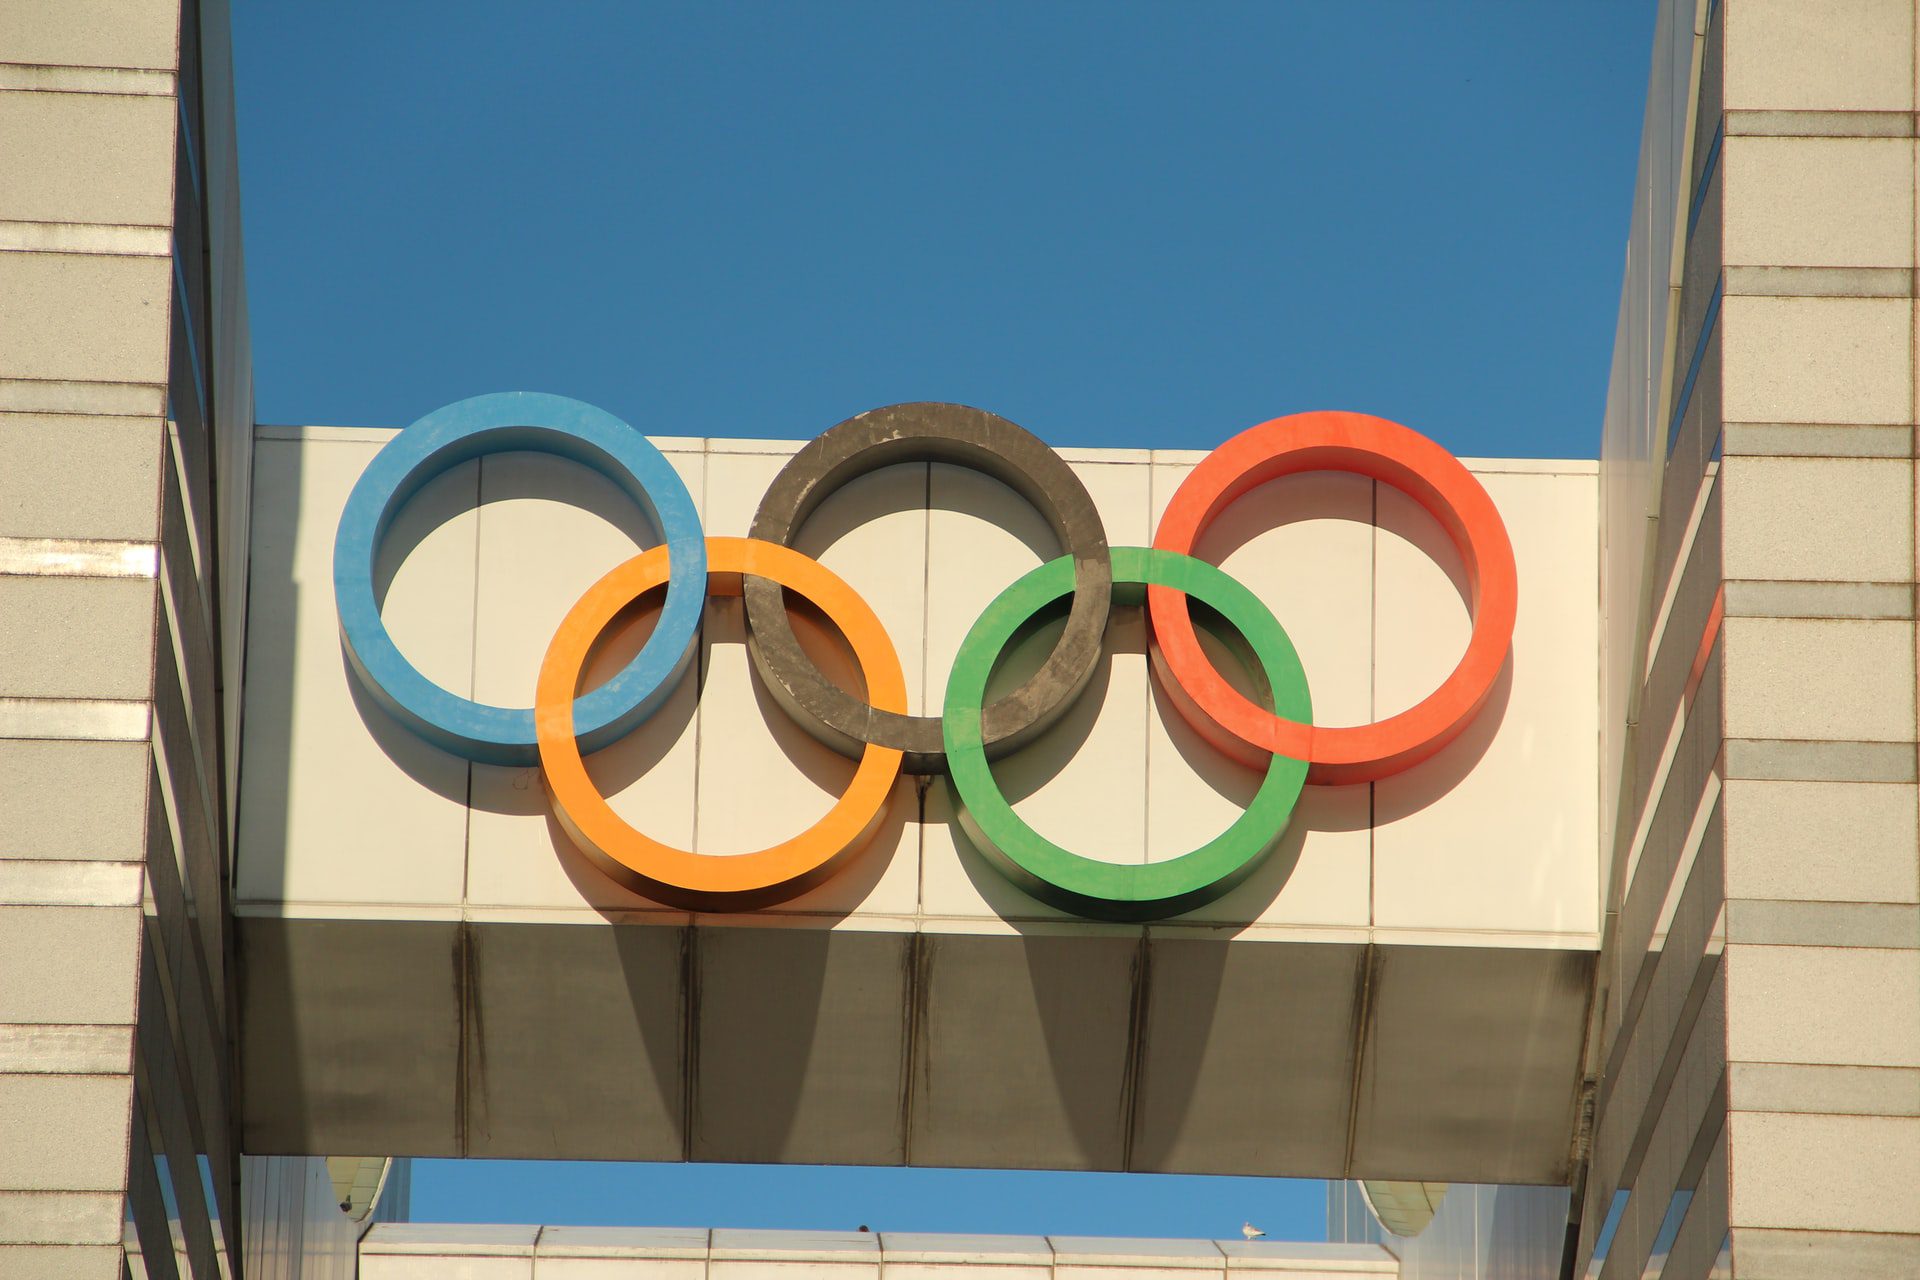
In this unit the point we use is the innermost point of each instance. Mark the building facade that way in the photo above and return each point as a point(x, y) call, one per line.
point(1757, 1019)
point(126, 421)
point(1681, 1038)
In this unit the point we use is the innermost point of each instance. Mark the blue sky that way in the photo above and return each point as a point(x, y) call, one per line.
point(1115, 224)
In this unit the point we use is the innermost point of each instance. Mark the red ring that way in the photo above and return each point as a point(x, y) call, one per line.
point(1392, 454)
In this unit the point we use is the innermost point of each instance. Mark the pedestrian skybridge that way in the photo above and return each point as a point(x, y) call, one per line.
point(437, 961)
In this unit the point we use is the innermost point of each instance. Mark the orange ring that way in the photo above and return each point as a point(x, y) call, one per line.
point(1394, 455)
point(679, 877)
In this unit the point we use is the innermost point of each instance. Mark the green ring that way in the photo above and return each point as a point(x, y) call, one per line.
point(1087, 886)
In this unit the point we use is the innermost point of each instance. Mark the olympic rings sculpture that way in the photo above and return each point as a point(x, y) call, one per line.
point(1275, 735)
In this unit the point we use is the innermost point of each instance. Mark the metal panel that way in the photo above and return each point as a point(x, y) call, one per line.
point(1247, 1065)
point(1471, 1062)
point(350, 1036)
point(1022, 1051)
point(801, 1042)
point(575, 1043)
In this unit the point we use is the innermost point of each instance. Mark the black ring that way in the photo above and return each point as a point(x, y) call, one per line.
point(979, 441)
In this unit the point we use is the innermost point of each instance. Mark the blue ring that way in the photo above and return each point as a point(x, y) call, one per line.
point(507, 421)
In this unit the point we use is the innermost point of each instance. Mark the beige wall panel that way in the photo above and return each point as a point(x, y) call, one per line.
point(1304, 545)
point(1822, 841)
point(312, 736)
point(956, 883)
point(1836, 55)
point(87, 157)
point(1818, 678)
point(60, 1217)
point(68, 964)
point(1319, 874)
point(1819, 202)
point(620, 1268)
point(85, 317)
point(763, 778)
point(963, 1271)
point(1844, 1005)
point(1818, 519)
point(872, 532)
point(1084, 783)
point(65, 799)
point(1816, 360)
point(60, 1262)
point(466, 1251)
point(415, 1266)
point(91, 33)
point(743, 1269)
point(548, 993)
point(75, 477)
point(1835, 1173)
point(548, 530)
point(874, 529)
point(981, 538)
point(64, 1133)
point(1529, 842)
point(793, 1255)
point(1199, 1270)
point(800, 1046)
point(76, 637)
point(517, 864)
point(737, 475)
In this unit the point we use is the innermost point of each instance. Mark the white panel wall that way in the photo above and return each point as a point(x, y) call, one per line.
point(345, 815)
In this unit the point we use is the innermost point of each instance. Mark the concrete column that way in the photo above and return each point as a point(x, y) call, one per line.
point(87, 126)
point(1822, 860)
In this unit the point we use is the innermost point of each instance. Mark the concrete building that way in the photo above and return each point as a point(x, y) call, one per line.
point(1620, 976)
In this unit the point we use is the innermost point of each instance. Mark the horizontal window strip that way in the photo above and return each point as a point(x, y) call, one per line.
point(1792, 760)
point(1820, 124)
point(1824, 1089)
point(1792, 923)
point(1777, 599)
point(1818, 440)
point(1820, 282)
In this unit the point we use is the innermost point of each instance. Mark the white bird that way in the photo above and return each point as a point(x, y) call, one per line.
point(1250, 1231)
